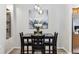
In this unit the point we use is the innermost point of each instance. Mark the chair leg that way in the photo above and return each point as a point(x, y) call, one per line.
point(22, 49)
point(55, 50)
point(32, 50)
point(43, 51)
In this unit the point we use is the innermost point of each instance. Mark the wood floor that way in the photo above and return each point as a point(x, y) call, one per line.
point(17, 51)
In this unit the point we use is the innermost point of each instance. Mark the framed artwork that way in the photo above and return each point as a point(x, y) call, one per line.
point(36, 18)
point(8, 24)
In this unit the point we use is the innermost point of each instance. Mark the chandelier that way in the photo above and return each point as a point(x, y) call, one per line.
point(38, 9)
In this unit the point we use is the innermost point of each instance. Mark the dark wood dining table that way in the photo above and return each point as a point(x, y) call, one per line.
point(49, 39)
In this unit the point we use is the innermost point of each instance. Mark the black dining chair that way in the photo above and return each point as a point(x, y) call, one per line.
point(22, 43)
point(51, 44)
point(38, 44)
point(55, 43)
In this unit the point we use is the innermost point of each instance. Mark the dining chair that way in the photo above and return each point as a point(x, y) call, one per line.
point(50, 44)
point(22, 43)
point(38, 44)
point(55, 43)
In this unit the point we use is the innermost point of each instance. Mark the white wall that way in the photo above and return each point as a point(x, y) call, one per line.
point(67, 42)
point(10, 42)
point(59, 21)
point(2, 28)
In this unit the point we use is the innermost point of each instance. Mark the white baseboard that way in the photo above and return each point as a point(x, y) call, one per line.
point(67, 51)
point(10, 50)
point(57, 48)
point(64, 50)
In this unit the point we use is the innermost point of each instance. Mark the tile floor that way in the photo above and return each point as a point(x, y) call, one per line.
point(76, 50)
point(17, 51)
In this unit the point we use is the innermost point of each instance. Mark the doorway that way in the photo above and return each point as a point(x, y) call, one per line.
point(75, 30)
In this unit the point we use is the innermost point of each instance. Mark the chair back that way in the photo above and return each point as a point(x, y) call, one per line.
point(21, 38)
point(55, 37)
point(55, 42)
point(38, 40)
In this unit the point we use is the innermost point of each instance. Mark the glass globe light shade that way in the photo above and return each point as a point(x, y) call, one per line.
point(41, 11)
point(36, 7)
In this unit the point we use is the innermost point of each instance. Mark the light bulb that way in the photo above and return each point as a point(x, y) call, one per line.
point(36, 7)
point(41, 11)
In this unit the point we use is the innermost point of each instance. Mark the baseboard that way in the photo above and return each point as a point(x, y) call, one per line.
point(68, 52)
point(10, 50)
point(64, 49)
point(57, 48)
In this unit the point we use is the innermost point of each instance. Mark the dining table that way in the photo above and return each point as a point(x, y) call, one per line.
point(50, 42)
